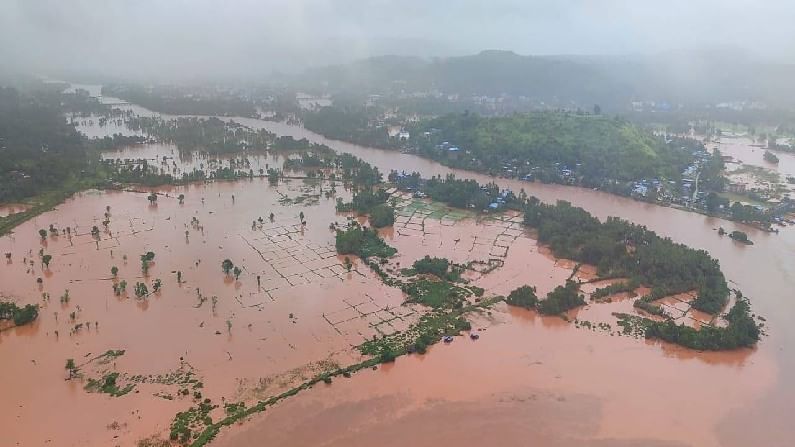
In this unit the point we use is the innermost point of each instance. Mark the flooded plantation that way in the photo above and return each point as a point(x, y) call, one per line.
point(289, 310)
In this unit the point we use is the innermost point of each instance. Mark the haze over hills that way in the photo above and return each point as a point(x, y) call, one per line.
point(612, 81)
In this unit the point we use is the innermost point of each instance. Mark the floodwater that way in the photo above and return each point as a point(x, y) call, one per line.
point(695, 400)
point(527, 380)
point(745, 151)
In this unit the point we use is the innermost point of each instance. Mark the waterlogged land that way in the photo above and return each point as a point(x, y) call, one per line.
point(528, 377)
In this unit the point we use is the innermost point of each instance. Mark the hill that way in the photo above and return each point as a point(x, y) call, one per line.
point(594, 147)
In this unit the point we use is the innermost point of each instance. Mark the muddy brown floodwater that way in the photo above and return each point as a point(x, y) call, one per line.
point(528, 380)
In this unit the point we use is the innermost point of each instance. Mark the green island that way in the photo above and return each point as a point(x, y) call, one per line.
point(19, 316)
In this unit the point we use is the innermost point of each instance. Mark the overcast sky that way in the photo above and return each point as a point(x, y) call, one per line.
point(188, 38)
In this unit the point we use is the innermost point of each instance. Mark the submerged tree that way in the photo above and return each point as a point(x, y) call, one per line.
point(237, 271)
point(152, 198)
point(181, 199)
point(43, 234)
point(114, 271)
point(146, 258)
point(227, 266)
point(141, 290)
point(46, 260)
point(71, 368)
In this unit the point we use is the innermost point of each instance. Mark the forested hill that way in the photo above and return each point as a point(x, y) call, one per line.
point(593, 146)
point(38, 149)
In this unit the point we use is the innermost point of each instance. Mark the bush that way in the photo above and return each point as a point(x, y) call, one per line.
point(382, 215)
point(524, 296)
point(561, 299)
point(19, 315)
point(362, 242)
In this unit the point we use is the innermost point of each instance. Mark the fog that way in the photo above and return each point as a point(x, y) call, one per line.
point(244, 38)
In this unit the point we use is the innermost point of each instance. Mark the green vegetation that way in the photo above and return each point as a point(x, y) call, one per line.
point(19, 315)
point(457, 193)
point(174, 100)
point(561, 299)
point(646, 303)
point(439, 267)
point(185, 424)
point(770, 157)
point(372, 203)
point(382, 215)
point(362, 242)
point(612, 289)
point(740, 236)
point(227, 265)
point(108, 385)
point(595, 148)
point(436, 294)
point(742, 330)
point(71, 368)
point(41, 152)
point(347, 123)
point(524, 296)
point(621, 249)
point(141, 291)
point(429, 330)
point(146, 260)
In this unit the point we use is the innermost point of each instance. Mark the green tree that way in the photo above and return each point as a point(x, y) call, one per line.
point(382, 215)
point(141, 290)
point(71, 368)
point(524, 296)
point(227, 265)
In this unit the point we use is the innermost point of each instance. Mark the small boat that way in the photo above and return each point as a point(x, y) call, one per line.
point(448, 339)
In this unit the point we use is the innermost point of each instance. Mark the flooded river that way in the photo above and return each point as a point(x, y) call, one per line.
point(528, 380)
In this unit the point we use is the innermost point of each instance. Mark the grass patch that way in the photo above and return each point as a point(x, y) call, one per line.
point(436, 294)
point(108, 385)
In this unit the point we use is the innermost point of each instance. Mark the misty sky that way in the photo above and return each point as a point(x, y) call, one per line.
point(191, 38)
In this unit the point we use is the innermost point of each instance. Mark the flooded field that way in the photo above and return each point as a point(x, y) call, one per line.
point(528, 379)
point(747, 152)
